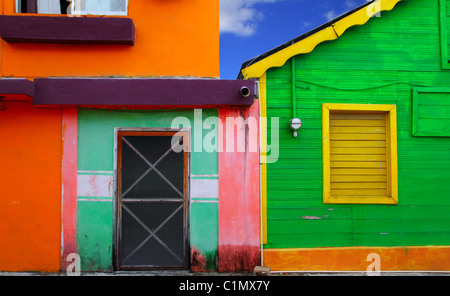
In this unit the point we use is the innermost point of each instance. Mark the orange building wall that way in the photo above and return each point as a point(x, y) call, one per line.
point(173, 38)
point(30, 190)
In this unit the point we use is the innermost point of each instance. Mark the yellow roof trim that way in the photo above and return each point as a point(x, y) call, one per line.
point(278, 59)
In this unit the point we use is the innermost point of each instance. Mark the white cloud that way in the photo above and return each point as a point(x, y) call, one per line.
point(240, 17)
point(331, 14)
point(350, 4)
point(306, 24)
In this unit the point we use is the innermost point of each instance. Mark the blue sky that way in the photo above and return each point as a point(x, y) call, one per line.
point(249, 28)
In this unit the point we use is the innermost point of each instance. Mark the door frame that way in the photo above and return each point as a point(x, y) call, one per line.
point(186, 133)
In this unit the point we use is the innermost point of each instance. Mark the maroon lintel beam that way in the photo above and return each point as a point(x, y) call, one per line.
point(142, 92)
point(67, 30)
point(16, 86)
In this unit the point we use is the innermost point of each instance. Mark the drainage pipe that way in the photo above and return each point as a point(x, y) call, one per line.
point(294, 98)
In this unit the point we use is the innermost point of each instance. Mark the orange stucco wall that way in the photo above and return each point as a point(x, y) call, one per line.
point(173, 38)
point(30, 190)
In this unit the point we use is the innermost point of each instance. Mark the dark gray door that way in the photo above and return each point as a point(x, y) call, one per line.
point(152, 230)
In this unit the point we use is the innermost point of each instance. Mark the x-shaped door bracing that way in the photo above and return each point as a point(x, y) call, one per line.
point(152, 167)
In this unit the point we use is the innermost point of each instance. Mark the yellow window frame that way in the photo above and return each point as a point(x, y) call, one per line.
point(391, 153)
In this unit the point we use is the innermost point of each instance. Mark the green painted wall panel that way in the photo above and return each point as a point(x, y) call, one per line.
point(95, 235)
point(92, 155)
point(205, 222)
point(380, 62)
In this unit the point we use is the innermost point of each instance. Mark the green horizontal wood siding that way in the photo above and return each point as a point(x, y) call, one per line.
point(380, 62)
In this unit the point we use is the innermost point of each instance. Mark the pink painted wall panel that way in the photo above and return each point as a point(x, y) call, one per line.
point(239, 195)
point(69, 184)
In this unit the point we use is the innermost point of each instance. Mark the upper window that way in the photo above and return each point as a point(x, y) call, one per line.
point(78, 7)
point(359, 154)
point(431, 112)
point(444, 13)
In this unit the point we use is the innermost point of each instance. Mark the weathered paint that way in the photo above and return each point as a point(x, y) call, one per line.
point(204, 198)
point(198, 261)
point(239, 199)
point(173, 38)
point(404, 54)
point(69, 184)
point(407, 258)
point(238, 258)
point(94, 185)
point(201, 261)
point(30, 204)
point(204, 235)
point(204, 188)
point(95, 170)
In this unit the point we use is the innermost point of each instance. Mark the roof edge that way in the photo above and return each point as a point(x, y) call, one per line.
point(306, 43)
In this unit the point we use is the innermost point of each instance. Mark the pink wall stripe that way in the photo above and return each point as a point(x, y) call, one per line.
point(239, 199)
point(69, 184)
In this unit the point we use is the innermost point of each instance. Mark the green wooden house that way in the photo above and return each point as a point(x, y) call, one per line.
point(363, 184)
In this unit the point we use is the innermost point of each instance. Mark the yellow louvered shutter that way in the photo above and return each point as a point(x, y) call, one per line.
point(358, 154)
